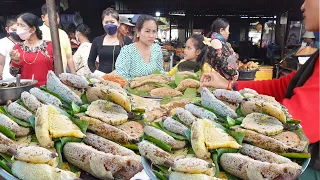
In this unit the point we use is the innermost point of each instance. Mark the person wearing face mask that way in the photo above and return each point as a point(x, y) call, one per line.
point(80, 57)
point(65, 45)
point(142, 57)
point(220, 52)
point(32, 58)
point(6, 45)
point(107, 46)
point(298, 91)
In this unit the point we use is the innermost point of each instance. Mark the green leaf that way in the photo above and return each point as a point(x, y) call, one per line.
point(159, 143)
point(5, 167)
point(172, 84)
point(84, 108)
point(178, 78)
point(216, 164)
point(84, 98)
point(60, 144)
point(32, 120)
point(293, 121)
point(190, 93)
point(231, 122)
point(296, 155)
point(83, 125)
point(73, 168)
point(6, 131)
point(238, 136)
point(34, 138)
point(188, 134)
point(133, 147)
point(156, 72)
point(6, 157)
point(4, 110)
point(163, 169)
point(159, 175)
point(239, 112)
point(75, 108)
point(199, 73)
point(239, 120)
point(190, 150)
point(136, 92)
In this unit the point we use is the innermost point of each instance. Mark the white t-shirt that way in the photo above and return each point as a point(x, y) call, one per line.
point(6, 46)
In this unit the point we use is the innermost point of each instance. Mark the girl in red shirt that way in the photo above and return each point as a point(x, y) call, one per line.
point(33, 57)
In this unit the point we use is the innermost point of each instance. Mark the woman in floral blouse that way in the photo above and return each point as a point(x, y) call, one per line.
point(220, 56)
point(33, 57)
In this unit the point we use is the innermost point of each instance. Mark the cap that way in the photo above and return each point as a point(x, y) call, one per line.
point(308, 34)
point(125, 20)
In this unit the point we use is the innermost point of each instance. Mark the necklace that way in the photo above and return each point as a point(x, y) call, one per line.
point(32, 61)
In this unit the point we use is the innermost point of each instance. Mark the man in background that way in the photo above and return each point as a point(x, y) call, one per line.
point(66, 52)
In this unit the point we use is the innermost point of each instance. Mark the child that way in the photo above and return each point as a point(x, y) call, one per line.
point(194, 51)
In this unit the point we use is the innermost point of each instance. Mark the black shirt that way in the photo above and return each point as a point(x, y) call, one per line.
point(107, 54)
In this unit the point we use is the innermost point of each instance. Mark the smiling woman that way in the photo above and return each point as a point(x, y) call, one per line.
point(142, 57)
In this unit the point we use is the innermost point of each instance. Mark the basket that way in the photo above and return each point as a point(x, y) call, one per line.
point(247, 75)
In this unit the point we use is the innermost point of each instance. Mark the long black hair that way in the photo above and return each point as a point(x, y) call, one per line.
point(199, 45)
point(217, 25)
point(84, 30)
point(32, 21)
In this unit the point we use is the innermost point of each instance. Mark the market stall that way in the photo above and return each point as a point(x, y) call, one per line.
point(105, 127)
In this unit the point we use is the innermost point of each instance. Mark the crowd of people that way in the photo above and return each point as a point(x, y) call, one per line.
point(27, 50)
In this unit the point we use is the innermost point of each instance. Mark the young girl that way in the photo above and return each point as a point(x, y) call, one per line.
point(6, 45)
point(194, 51)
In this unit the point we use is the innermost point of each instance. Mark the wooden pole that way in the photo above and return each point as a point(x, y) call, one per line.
point(52, 15)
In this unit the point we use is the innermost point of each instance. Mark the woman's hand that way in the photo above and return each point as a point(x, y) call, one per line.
point(15, 56)
point(214, 79)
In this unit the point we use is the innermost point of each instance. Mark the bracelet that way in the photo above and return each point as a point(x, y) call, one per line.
point(229, 85)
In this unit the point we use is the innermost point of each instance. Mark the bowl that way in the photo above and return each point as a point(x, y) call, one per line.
point(13, 93)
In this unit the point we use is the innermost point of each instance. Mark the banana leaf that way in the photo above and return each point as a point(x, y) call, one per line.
point(75, 108)
point(6, 157)
point(293, 121)
point(4, 166)
point(296, 155)
point(34, 138)
point(32, 120)
point(156, 72)
point(163, 169)
point(178, 78)
point(84, 108)
point(239, 112)
point(159, 175)
point(133, 147)
point(7, 132)
point(136, 92)
point(84, 99)
point(236, 135)
point(231, 122)
point(159, 143)
point(59, 144)
point(190, 93)
point(188, 134)
point(4, 110)
point(83, 125)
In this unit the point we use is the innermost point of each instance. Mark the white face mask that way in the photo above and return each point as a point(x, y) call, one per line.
point(24, 34)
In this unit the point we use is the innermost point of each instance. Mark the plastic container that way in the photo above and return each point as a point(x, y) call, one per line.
point(247, 75)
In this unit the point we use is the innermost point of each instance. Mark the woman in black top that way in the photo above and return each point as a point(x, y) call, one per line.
point(108, 46)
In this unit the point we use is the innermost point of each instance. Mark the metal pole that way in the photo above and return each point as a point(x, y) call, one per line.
point(52, 14)
point(170, 23)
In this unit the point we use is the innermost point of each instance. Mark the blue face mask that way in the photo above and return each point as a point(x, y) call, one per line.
point(110, 29)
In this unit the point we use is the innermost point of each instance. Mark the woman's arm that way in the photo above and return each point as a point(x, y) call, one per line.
point(123, 63)
point(93, 54)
